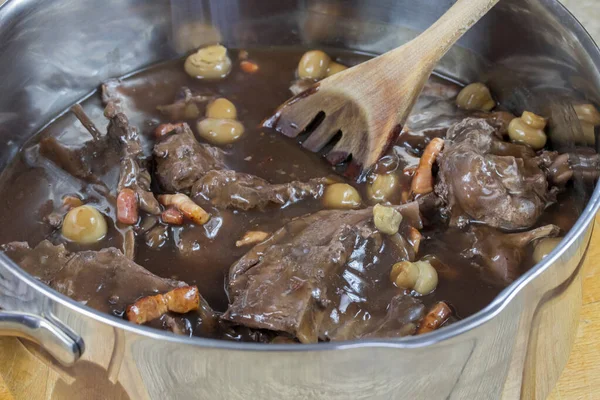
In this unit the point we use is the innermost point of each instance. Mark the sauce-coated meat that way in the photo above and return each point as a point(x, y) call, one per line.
point(181, 160)
point(105, 280)
point(231, 189)
point(503, 253)
point(184, 163)
point(501, 191)
point(163, 194)
point(294, 281)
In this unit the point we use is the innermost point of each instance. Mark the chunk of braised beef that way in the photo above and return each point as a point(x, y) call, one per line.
point(400, 318)
point(125, 138)
point(498, 119)
point(479, 185)
point(429, 205)
point(434, 112)
point(105, 280)
point(579, 163)
point(231, 189)
point(74, 162)
point(181, 160)
point(503, 253)
point(296, 281)
point(585, 163)
point(182, 163)
point(79, 161)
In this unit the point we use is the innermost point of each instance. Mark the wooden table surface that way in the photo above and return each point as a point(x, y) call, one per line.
point(581, 378)
point(24, 377)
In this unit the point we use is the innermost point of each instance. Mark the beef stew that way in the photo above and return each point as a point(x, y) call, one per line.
point(189, 215)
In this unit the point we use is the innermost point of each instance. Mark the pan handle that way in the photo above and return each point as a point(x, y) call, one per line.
point(53, 339)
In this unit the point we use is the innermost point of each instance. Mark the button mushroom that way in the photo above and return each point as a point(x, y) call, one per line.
point(475, 96)
point(419, 276)
point(529, 129)
point(210, 62)
point(589, 118)
point(386, 219)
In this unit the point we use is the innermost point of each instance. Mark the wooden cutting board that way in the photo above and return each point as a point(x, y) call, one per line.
point(24, 377)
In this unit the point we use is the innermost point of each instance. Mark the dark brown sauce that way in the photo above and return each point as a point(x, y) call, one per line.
point(202, 255)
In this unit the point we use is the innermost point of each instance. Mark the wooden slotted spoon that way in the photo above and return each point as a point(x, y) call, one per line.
point(369, 103)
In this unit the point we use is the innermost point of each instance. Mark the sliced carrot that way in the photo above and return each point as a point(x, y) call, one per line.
point(249, 67)
point(435, 318)
point(422, 182)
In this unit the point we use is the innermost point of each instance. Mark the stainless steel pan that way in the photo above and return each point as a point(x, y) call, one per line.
point(533, 53)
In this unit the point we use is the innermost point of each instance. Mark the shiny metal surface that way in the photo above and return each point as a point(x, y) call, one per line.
point(32, 327)
point(532, 52)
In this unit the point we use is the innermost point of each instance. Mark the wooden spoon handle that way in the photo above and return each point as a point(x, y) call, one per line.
point(445, 32)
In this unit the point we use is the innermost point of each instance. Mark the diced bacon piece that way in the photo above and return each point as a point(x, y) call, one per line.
point(181, 300)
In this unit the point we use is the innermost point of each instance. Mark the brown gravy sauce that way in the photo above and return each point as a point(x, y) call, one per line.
point(202, 255)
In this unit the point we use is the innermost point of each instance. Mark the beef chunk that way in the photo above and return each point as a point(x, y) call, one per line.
point(502, 253)
point(122, 134)
point(183, 163)
point(231, 189)
point(116, 99)
point(75, 162)
point(133, 170)
point(582, 163)
point(399, 318)
point(294, 281)
point(105, 280)
point(480, 182)
point(498, 119)
point(181, 160)
point(585, 163)
point(79, 160)
point(434, 112)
